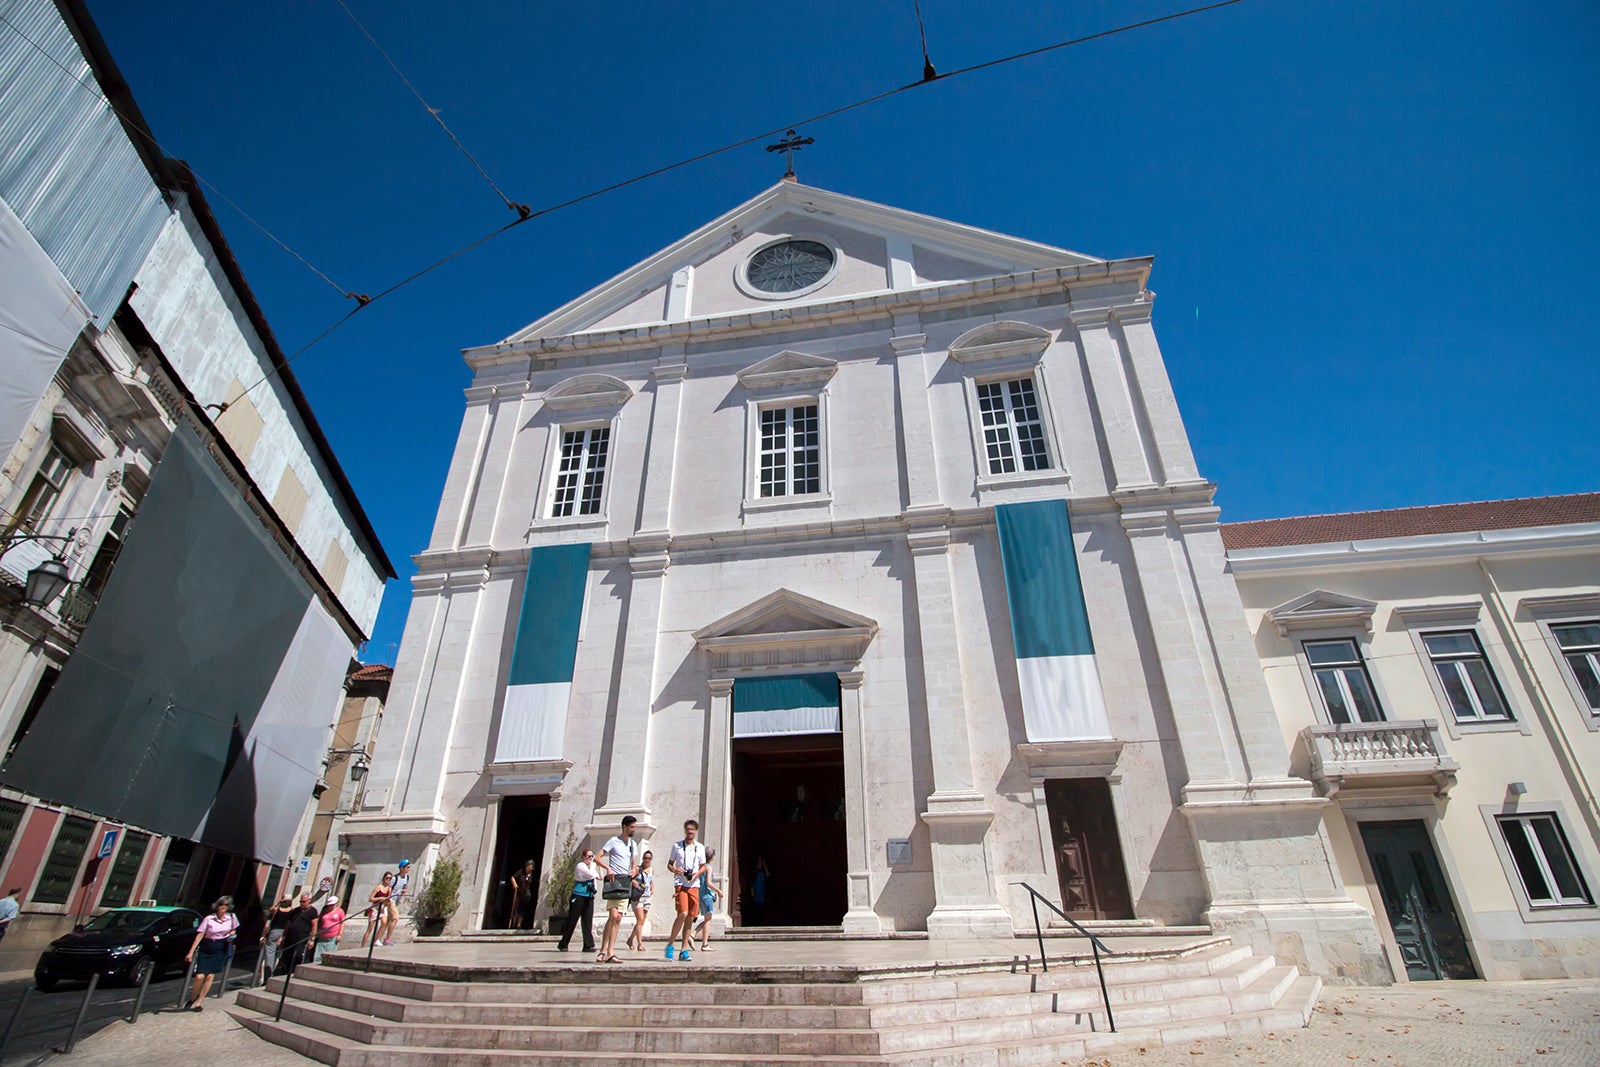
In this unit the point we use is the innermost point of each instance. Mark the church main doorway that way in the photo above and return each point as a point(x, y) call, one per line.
point(519, 837)
point(789, 825)
point(1083, 828)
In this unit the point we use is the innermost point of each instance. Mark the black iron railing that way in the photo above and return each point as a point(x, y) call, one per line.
point(1095, 944)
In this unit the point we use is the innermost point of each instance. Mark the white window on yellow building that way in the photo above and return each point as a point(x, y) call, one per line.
point(1341, 676)
point(1545, 864)
point(1464, 674)
point(1580, 647)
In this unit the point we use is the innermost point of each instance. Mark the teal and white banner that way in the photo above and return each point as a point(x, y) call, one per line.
point(791, 704)
point(1061, 695)
point(533, 723)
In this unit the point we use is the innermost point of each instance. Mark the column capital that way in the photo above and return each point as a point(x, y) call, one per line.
point(928, 542)
point(652, 566)
point(908, 344)
point(1090, 318)
point(850, 679)
point(669, 371)
point(720, 687)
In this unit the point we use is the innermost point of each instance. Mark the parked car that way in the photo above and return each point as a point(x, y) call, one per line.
point(125, 943)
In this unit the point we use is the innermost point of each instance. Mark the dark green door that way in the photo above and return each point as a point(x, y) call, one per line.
point(1417, 900)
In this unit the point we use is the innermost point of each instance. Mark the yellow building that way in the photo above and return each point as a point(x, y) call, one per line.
point(1436, 671)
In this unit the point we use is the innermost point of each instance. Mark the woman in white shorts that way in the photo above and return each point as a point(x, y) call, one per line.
point(643, 886)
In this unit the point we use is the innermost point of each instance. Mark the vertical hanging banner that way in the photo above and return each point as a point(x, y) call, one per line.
point(792, 704)
point(1061, 695)
point(533, 723)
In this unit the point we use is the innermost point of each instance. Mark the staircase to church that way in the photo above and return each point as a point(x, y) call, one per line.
point(974, 1014)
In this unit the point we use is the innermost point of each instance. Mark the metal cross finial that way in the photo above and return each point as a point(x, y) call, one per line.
point(789, 146)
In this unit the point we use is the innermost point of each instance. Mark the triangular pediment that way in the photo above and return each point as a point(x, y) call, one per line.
point(785, 612)
point(785, 632)
point(1321, 609)
point(786, 369)
point(876, 249)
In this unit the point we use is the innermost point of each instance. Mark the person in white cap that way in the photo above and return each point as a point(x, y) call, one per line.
point(330, 924)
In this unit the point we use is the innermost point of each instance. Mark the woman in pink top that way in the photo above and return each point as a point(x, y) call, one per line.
point(210, 949)
point(329, 925)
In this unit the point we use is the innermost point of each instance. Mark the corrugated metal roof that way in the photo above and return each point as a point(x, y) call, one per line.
point(66, 166)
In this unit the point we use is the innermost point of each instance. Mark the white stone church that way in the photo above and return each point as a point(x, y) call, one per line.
point(874, 542)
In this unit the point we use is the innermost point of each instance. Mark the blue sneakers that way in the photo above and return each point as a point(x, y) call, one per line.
point(683, 954)
point(669, 950)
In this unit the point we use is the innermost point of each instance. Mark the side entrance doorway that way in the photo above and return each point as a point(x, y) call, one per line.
point(519, 837)
point(1417, 900)
point(789, 817)
point(1083, 829)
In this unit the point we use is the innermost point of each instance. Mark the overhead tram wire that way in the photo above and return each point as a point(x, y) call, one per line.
point(521, 209)
point(144, 133)
point(743, 142)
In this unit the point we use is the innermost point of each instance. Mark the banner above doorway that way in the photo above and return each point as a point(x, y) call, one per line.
point(791, 704)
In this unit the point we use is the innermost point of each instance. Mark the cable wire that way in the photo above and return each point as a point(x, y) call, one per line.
point(520, 209)
point(129, 124)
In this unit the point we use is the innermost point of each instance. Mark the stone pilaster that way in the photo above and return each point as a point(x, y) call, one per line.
point(1113, 397)
point(916, 421)
point(716, 821)
point(636, 691)
point(957, 814)
point(861, 917)
point(655, 508)
point(1169, 439)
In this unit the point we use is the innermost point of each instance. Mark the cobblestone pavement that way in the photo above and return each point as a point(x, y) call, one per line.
point(169, 1037)
point(1423, 1024)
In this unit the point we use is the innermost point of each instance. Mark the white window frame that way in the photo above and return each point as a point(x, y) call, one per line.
point(754, 503)
point(1592, 655)
point(19, 522)
point(552, 479)
point(1438, 660)
point(792, 454)
point(1555, 611)
point(1319, 701)
point(1006, 370)
point(1427, 620)
point(1577, 910)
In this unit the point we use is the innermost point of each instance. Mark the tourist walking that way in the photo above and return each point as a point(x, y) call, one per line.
point(522, 885)
point(298, 936)
point(381, 901)
point(687, 863)
point(708, 902)
point(10, 906)
point(619, 861)
point(272, 937)
point(643, 887)
point(329, 925)
point(209, 951)
point(580, 908)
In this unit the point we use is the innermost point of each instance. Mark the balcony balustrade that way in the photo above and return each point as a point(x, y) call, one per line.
point(1400, 758)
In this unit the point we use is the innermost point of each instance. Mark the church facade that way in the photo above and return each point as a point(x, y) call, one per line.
point(875, 543)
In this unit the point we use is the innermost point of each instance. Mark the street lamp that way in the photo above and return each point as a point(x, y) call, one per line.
point(46, 582)
point(49, 579)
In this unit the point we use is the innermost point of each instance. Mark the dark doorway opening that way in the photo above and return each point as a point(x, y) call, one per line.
point(1417, 900)
point(788, 809)
point(519, 837)
point(1083, 828)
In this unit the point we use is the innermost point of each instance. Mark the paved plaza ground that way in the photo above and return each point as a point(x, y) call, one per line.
point(1444, 1024)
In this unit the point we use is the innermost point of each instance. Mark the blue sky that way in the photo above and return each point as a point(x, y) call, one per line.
point(1374, 224)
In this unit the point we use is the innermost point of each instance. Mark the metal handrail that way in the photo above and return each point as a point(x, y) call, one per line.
point(1095, 945)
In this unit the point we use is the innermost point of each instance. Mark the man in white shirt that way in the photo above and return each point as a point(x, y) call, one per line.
point(619, 860)
point(687, 863)
point(9, 909)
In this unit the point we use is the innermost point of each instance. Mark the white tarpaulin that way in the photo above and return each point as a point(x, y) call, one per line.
point(40, 317)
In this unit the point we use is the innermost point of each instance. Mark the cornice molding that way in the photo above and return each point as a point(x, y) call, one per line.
point(1322, 610)
point(788, 368)
point(995, 341)
point(587, 392)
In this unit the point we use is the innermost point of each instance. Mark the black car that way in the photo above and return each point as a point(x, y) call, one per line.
point(123, 943)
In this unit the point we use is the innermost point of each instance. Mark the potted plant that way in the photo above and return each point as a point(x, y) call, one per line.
point(559, 879)
point(441, 897)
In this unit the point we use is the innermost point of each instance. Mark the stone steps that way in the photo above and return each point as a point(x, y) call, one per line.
point(987, 1014)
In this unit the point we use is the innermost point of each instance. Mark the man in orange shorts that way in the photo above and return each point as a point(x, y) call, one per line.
point(687, 863)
